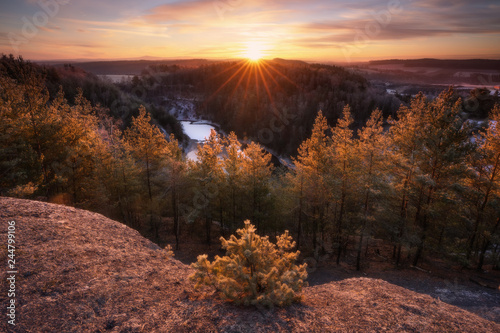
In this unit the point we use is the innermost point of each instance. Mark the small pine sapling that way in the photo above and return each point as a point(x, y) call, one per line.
point(254, 270)
point(168, 252)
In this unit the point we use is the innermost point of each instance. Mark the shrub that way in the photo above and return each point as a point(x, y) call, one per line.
point(254, 270)
point(23, 191)
point(168, 252)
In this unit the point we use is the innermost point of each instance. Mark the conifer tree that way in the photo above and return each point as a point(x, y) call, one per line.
point(120, 175)
point(405, 135)
point(38, 124)
point(208, 173)
point(342, 156)
point(484, 185)
point(371, 172)
point(312, 173)
point(296, 179)
point(16, 155)
point(254, 270)
point(439, 158)
point(233, 166)
point(79, 130)
point(257, 170)
point(176, 179)
point(148, 146)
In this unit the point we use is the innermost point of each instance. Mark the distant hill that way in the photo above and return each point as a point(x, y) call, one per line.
point(483, 64)
point(131, 67)
point(289, 62)
point(81, 272)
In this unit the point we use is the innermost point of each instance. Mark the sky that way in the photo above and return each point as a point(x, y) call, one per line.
point(314, 30)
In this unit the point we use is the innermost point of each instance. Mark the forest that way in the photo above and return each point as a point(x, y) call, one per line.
point(422, 179)
point(273, 102)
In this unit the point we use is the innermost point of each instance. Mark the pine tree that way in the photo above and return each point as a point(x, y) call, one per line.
point(254, 270)
point(342, 156)
point(208, 174)
point(120, 175)
point(439, 158)
point(175, 167)
point(484, 183)
point(148, 146)
point(79, 130)
point(296, 179)
point(257, 170)
point(371, 150)
point(312, 171)
point(405, 137)
point(16, 155)
point(233, 166)
point(38, 124)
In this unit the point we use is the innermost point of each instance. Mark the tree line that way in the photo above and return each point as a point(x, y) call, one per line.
point(422, 182)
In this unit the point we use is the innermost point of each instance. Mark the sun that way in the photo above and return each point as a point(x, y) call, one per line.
point(254, 51)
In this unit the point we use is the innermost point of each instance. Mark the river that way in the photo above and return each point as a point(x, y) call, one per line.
point(197, 130)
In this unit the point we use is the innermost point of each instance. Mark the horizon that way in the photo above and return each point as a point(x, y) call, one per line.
point(326, 62)
point(315, 31)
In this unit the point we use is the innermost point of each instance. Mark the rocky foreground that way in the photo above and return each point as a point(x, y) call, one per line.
point(81, 272)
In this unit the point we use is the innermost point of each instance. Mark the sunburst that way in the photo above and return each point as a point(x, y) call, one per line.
point(253, 71)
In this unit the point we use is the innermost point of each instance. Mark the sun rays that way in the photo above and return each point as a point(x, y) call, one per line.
point(252, 78)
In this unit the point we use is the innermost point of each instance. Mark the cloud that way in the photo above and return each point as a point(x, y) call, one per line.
point(50, 28)
point(410, 23)
point(206, 26)
point(90, 23)
point(151, 33)
point(181, 11)
point(223, 12)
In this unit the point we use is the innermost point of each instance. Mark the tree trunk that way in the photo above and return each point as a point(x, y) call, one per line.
point(315, 227)
point(208, 229)
point(398, 254)
point(481, 208)
point(341, 213)
point(339, 225)
point(148, 179)
point(425, 224)
point(363, 228)
point(425, 227)
point(487, 243)
point(176, 217)
point(221, 217)
point(233, 205)
point(299, 229)
point(420, 247)
point(360, 246)
point(403, 213)
point(73, 179)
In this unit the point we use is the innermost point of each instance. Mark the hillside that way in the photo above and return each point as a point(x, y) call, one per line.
point(466, 64)
point(431, 76)
point(131, 67)
point(81, 272)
